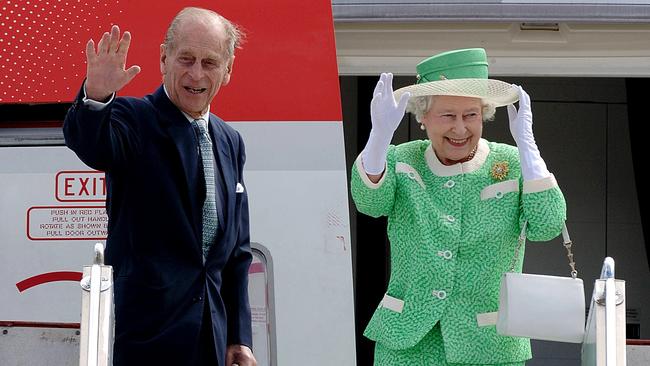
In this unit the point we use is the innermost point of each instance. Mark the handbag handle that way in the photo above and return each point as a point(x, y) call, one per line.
point(566, 242)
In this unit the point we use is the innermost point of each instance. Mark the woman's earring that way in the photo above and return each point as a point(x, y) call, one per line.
point(422, 126)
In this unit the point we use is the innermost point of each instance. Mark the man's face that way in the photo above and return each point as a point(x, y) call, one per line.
point(196, 67)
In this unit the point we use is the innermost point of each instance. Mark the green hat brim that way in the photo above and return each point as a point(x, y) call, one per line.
point(491, 91)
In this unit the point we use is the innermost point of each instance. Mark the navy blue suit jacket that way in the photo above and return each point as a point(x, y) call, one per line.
point(149, 152)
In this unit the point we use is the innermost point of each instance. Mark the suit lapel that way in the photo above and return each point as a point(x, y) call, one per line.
point(181, 132)
point(185, 141)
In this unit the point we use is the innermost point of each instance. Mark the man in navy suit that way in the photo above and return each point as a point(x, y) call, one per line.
point(180, 299)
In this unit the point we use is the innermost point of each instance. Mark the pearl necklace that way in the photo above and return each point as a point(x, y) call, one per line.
point(470, 156)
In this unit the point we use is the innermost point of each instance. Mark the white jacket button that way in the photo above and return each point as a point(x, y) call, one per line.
point(441, 294)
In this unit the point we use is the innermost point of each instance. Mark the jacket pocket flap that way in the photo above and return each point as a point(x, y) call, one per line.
point(410, 172)
point(497, 190)
point(392, 303)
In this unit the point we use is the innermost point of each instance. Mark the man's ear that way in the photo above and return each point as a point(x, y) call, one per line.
point(226, 78)
point(163, 58)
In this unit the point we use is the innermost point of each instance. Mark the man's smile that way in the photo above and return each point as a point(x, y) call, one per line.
point(195, 90)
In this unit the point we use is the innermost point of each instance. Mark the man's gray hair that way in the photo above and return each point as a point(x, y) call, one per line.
point(419, 106)
point(234, 34)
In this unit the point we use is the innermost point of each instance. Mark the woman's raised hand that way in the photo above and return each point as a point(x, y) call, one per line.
point(533, 166)
point(385, 112)
point(521, 121)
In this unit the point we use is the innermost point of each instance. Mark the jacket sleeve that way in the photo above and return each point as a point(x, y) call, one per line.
point(103, 139)
point(544, 208)
point(374, 199)
point(235, 273)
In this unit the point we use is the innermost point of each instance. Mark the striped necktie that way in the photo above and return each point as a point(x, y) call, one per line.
point(210, 222)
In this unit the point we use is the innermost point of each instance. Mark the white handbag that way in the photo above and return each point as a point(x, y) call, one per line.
point(542, 307)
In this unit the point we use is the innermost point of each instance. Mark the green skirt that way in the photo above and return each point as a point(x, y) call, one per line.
point(430, 351)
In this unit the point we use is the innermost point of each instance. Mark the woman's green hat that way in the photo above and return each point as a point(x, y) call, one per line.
point(460, 73)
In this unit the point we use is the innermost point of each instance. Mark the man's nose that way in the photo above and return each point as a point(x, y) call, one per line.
point(196, 71)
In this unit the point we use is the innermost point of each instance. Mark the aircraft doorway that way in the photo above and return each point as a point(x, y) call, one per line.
point(588, 132)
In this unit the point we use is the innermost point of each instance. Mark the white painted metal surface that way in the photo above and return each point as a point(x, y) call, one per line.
point(297, 183)
point(21, 346)
point(574, 49)
point(638, 355)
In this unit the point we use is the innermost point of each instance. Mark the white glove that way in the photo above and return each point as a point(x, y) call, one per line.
point(521, 127)
point(385, 114)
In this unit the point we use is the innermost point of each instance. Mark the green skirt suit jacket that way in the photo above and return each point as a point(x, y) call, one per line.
point(453, 232)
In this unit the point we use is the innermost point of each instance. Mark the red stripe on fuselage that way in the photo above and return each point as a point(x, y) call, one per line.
point(48, 277)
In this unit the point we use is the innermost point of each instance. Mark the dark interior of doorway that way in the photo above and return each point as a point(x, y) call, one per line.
point(370, 247)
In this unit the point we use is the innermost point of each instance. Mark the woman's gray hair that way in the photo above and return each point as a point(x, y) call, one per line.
point(419, 106)
point(234, 34)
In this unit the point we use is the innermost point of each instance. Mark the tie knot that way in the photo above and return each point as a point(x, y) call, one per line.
point(201, 124)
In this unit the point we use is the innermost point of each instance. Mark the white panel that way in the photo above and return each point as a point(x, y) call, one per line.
point(39, 346)
point(638, 355)
point(575, 49)
point(297, 187)
point(293, 145)
point(297, 184)
point(28, 181)
point(302, 218)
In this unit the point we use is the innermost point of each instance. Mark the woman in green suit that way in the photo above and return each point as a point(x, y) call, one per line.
point(455, 204)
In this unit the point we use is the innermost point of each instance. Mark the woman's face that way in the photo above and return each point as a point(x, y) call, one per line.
point(454, 125)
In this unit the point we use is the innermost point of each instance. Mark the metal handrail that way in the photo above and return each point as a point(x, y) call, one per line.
point(93, 321)
point(96, 330)
point(607, 274)
point(605, 295)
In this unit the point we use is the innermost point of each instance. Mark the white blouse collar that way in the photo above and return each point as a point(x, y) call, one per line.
point(442, 170)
